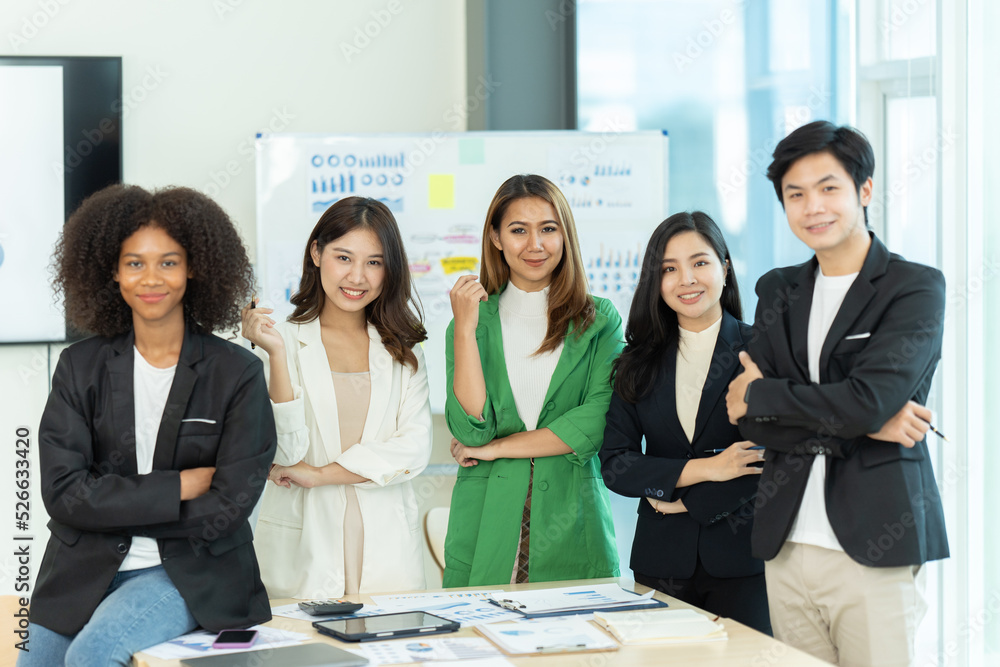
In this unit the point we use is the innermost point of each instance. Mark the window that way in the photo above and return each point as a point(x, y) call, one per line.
point(728, 79)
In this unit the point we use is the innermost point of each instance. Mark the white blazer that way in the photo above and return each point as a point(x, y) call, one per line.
point(299, 536)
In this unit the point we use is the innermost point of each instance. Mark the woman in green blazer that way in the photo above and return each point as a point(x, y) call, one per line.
point(529, 353)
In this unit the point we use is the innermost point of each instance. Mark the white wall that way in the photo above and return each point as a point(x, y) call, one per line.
point(201, 78)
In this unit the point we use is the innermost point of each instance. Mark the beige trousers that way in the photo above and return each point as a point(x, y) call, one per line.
point(826, 604)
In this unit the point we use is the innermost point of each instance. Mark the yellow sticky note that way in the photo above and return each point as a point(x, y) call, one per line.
point(457, 264)
point(441, 191)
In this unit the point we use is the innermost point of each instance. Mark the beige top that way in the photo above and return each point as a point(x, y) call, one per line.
point(694, 358)
point(353, 392)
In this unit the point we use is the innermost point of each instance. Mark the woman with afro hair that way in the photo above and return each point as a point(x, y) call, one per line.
point(156, 439)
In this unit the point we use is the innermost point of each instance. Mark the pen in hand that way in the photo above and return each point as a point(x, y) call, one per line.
point(719, 451)
point(929, 425)
point(939, 433)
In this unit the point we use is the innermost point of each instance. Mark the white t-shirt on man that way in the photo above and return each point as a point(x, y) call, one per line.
point(812, 525)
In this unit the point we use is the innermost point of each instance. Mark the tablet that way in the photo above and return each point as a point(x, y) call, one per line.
point(385, 626)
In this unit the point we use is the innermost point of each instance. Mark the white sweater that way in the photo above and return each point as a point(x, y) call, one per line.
point(523, 323)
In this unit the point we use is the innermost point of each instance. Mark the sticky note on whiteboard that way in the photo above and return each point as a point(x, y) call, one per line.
point(441, 191)
point(471, 151)
point(457, 264)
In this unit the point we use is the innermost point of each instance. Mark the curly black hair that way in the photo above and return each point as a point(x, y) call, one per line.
point(88, 250)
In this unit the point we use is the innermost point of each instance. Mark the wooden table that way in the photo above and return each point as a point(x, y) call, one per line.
point(745, 647)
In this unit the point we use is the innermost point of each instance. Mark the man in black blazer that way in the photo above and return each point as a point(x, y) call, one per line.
point(217, 415)
point(842, 361)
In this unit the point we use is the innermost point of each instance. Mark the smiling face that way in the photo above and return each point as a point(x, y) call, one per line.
point(152, 276)
point(352, 271)
point(531, 240)
point(824, 208)
point(691, 280)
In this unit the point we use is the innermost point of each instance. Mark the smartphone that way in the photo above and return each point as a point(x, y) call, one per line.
point(235, 639)
point(386, 626)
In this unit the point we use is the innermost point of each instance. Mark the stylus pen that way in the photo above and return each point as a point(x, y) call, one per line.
point(719, 451)
point(253, 304)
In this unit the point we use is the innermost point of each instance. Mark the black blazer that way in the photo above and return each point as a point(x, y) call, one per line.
point(719, 519)
point(97, 500)
point(881, 351)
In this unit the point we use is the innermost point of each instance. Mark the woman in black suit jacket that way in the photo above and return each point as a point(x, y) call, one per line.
point(697, 479)
point(157, 436)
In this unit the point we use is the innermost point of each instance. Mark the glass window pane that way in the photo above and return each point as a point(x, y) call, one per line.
point(908, 29)
point(908, 199)
point(987, 620)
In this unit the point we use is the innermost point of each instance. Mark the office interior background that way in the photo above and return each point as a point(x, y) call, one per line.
point(726, 78)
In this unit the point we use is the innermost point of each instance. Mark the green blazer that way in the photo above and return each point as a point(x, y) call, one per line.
point(572, 535)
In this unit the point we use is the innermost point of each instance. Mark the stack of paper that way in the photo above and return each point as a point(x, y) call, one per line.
point(548, 636)
point(660, 626)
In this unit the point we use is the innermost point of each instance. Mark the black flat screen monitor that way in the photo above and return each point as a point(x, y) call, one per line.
point(61, 142)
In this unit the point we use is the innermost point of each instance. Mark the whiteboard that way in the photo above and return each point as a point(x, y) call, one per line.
point(439, 185)
point(31, 200)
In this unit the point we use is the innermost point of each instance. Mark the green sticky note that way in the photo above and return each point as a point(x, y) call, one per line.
point(471, 151)
point(441, 191)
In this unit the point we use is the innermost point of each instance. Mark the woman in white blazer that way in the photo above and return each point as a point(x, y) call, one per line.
point(348, 388)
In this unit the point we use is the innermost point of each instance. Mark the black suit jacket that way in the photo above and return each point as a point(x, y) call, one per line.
point(719, 519)
point(880, 352)
point(217, 414)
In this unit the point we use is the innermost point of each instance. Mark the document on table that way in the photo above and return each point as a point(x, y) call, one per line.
point(420, 598)
point(663, 626)
point(199, 643)
point(425, 650)
point(548, 636)
point(470, 608)
point(570, 599)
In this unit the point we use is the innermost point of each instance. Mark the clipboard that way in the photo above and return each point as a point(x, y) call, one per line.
point(572, 600)
point(511, 605)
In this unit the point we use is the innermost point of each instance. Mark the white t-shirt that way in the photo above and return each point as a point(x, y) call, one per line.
point(151, 386)
point(524, 319)
point(812, 525)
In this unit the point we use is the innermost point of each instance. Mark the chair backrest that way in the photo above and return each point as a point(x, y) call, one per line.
point(435, 529)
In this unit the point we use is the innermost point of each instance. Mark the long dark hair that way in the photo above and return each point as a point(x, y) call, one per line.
point(395, 313)
point(569, 302)
point(652, 324)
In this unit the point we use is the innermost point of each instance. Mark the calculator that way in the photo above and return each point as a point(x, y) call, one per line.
point(327, 607)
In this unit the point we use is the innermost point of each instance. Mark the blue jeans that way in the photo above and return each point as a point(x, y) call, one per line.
point(142, 608)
